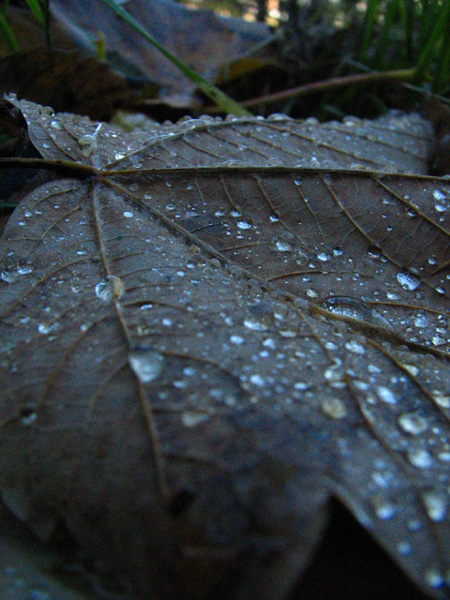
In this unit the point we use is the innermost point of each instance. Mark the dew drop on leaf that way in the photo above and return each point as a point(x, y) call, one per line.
point(412, 423)
point(420, 458)
point(384, 509)
point(436, 505)
point(408, 281)
point(386, 395)
point(146, 363)
point(356, 309)
point(333, 408)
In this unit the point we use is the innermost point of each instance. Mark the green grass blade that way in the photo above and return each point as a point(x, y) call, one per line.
point(37, 11)
point(370, 20)
point(384, 42)
point(441, 80)
point(217, 96)
point(431, 46)
point(8, 34)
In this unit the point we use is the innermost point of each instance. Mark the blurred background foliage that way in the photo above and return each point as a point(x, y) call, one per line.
point(322, 58)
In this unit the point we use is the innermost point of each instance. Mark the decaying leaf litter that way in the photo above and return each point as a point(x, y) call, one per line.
point(222, 326)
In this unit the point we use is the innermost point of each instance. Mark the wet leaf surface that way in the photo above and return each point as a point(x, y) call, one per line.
point(222, 327)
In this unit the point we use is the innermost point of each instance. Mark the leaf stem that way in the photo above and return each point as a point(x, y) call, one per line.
point(63, 167)
point(329, 84)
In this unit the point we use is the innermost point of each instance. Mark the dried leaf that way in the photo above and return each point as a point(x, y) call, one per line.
point(200, 350)
point(63, 80)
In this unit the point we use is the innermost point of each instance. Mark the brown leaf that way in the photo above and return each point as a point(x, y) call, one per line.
point(65, 81)
point(199, 350)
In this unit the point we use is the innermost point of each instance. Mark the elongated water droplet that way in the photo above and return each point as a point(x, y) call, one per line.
point(356, 309)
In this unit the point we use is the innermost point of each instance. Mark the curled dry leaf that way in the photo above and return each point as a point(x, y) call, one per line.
point(199, 350)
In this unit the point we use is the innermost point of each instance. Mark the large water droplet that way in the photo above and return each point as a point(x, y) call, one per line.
point(356, 309)
point(146, 363)
point(282, 246)
point(436, 505)
point(420, 458)
point(441, 399)
point(439, 195)
point(243, 225)
point(412, 423)
point(103, 291)
point(408, 281)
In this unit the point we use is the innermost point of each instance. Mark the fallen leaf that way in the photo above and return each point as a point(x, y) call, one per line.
point(199, 350)
point(63, 80)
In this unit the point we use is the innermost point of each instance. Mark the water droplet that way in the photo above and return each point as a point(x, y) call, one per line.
point(434, 578)
point(412, 423)
point(408, 281)
point(437, 340)
point(353, 346)
point(334, 373)
point(103, 291)
point(119, 155)
point(420, 458)
point(88, 144)
point(283, 246)
point(236, 339)
point(386, 395)
point(404, 548)
point(243, 225)
point(383, 507)
point(355, 309)
point(444, 456)
point(439, 195)
point(255, 325)
point(413, 369)
point(146, 363)
point(127, 214)
point(273, 218)
point(323, 257)
point(46, 328)
point(333, 408)
point(436, 505)
point(167, 322)
point(192, 418)
point(258, 380)
point(28, 416)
